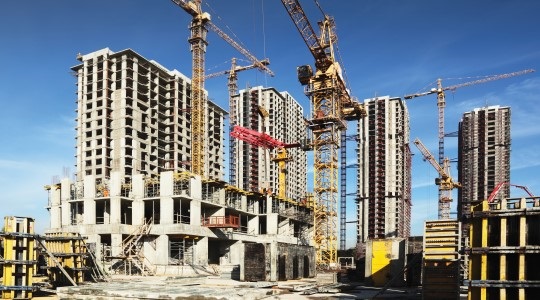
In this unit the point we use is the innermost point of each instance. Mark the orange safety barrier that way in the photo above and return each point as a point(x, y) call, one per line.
point(221, 222)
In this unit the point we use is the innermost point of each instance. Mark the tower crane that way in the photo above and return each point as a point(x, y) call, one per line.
point(259, 139)
point(331, 106)
point(233, 90)
point(445, 182)
point(200, 24)
point(233, 77)
point(441, 102)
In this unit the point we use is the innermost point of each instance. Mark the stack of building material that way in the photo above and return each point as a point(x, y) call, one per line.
point(440, 276)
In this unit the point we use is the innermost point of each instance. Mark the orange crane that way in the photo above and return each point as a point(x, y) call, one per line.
point(441, 102)
point(331, 106)
point(259, 139)
point(200, 24)
point(445, 182)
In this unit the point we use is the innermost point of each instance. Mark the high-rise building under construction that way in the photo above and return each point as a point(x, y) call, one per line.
point(384, 171)
point(484, 155)
point(279, 115)
point(133, 116)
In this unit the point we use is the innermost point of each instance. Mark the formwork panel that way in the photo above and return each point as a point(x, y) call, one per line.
point(19, 258)
point(385, 258)
point(69, 251)
point(504, 251)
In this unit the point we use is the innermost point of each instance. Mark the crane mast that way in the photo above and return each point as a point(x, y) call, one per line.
point(331, 105)
point(200, 24)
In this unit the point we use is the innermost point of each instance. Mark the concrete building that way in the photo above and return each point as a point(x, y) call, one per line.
point(384, 172)
point(484, 156)
point(279, 115)
point(137, 204)
point(133, 117)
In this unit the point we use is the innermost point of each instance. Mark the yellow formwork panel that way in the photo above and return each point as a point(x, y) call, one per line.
point(506, 251)
point(19, 258)
point(380, 262)
point(69, 250)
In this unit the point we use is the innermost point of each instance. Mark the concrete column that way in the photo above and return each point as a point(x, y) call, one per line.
point(196, 187)
point(137, 190)
point(236, 253)
point(272, 223)
point(166, 183)
point(89, 187)
point(116, 212)
point(162, 250)
point(166, 202)
point(201, 252)
point(116, 244)
point(253, 225)
point(89, 216)
point(97, 239)
point(66, 214)
point(65, 186)
point(195, 213)
point(137, 186)
point(166, 210)
point(137, 211)
point(115, 183)
point(273, 261)
point(55, 207)
point(240, 254)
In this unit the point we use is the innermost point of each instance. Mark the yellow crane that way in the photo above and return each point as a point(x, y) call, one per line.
point(331, 106)
point(200, 24)
point(233, 77)
point(445, 182)
point(441, 103)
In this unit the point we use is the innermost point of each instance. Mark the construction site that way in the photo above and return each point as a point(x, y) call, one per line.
point(149, 214)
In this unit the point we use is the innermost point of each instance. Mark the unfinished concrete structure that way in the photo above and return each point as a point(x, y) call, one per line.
point(384, 172)
point(140, 207)
point(279, 115)
point(483, 162)
point(133, 117)
point(484, 156)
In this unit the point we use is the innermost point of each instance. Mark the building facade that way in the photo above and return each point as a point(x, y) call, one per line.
point(384, 171)
point(484, 156)
point(133, 117)
point(279, 115)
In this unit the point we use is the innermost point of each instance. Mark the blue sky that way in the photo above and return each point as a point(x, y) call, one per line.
point(388, 47)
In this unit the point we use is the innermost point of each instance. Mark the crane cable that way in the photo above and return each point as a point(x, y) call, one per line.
point(264, 39)
point(319, 6)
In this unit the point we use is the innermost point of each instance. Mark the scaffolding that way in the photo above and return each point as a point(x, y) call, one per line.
point(131, 261)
